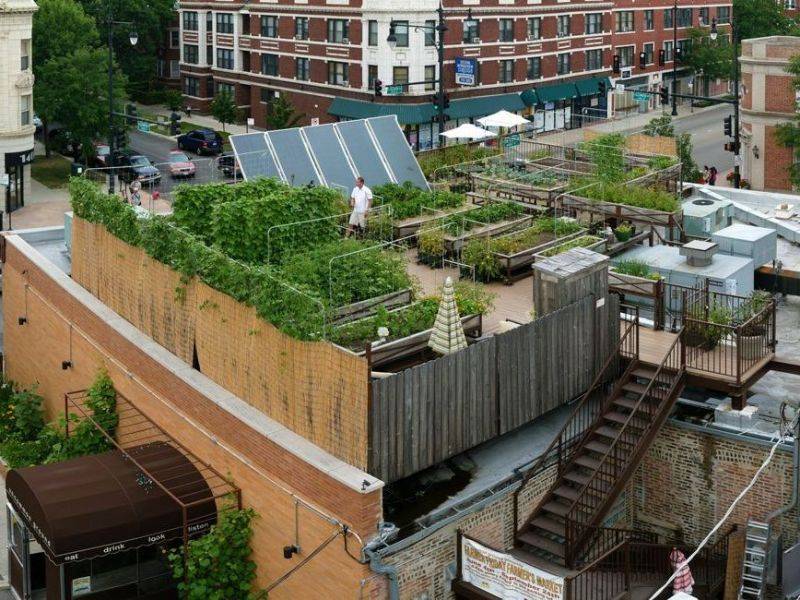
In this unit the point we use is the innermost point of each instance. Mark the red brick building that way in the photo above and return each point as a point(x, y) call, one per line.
point(169, 56)
point(325, 56)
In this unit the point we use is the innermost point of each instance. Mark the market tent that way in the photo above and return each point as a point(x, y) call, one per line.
point(468, 131)
point(105, 503)
point(448, 332)
point(503, 118)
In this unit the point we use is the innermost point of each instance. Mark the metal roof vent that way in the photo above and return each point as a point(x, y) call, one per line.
point(703, 202)
point(699, 254)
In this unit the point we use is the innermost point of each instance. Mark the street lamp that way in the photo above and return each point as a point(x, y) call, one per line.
point(713, 33)
point(133, 38)
point(675, 58)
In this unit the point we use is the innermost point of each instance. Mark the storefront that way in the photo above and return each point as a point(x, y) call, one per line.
point(16, 165)
point(100, 527)
point(566, 105)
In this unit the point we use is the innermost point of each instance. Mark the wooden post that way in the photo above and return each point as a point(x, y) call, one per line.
point(459, 541)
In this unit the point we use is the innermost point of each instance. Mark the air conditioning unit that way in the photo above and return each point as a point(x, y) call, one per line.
point(476, 40)
point(626, 72)
point(533, 39)
point(345, 40)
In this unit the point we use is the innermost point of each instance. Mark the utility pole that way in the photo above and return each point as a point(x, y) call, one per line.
point(675, 58)
point(441, 28)
point(736, 145)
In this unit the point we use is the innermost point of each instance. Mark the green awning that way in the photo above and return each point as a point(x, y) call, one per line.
point(407, 114)
point(484, 105)
point(554, 93)
point(529, 97)
point(590, 86)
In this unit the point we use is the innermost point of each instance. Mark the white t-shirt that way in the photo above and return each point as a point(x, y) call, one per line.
point(361, 196)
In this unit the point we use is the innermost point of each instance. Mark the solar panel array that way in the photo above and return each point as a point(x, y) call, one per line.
point(331, 155)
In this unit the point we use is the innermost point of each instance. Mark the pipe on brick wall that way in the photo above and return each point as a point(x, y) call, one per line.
point(382, 568)
point(795, 477)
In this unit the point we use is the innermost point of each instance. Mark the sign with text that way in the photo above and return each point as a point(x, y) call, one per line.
point(641, 96)
point(394, 90)
point(466, 71)
point(511, 141)
point(506, 577)
point(143, 126)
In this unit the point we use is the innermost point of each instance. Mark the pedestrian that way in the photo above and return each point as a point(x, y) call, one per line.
point(136, 192)
point(712, 176)
point(360, 201)
point(683, 582)
point(706, 174)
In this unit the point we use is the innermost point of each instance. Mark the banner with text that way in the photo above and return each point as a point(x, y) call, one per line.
point(506, 577)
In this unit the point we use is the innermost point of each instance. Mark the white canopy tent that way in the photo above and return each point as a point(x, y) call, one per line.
point(503, 118)
point(468, 131)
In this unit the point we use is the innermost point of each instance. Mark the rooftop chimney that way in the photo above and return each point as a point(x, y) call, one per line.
point(699, 254)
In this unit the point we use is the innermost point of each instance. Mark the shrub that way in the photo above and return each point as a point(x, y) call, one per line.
point(636, 268)
point(432, 161)
point(581, 242)
point(631, 195)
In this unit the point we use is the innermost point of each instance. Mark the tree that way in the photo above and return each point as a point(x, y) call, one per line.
point(174, 100)
point(712, 58)
point(74, 92)
point(788, 134)
point(760, 18)
point(224, 108)
point(281, 115)
point(662, 126)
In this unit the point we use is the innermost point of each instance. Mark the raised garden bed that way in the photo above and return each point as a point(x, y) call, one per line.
point(366, 308)
point(408, 227)
point(590, 242)
point(516, 266)
point(622, 212)
point(522, 193)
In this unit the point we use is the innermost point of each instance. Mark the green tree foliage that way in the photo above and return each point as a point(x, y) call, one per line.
point(174, 100)
point(281, 114)
point(663, 126)
point(219, 566)
point(60, 27)
point(73, 90)
point(660, 126)
point(760, 18)
point(788, 134)
point(224, 108)
point(712, 58)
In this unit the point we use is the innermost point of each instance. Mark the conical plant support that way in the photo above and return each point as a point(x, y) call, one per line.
point(448, 332)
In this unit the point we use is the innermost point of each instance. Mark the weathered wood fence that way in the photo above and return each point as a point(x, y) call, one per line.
point(428, 413)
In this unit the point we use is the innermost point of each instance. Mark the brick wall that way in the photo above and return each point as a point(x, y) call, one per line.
point(64, 321)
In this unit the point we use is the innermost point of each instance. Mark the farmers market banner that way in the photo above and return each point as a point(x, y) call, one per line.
point(506, 577)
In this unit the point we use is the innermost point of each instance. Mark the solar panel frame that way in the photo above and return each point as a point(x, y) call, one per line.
point(254, 156)
point(294, 157)
point(331, 155)
point(363, 152)
point(397, 151)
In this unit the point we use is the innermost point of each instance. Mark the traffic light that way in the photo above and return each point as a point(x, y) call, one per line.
point(727, 126)
point(601, 88)
point(663, 93)
point(378, 87)
point(615, 65)
point(435, 100)
point(446, 101)
point(731, 147)
point(174, 123)
point(132, 117)
point(642, 60)
point(662, 57)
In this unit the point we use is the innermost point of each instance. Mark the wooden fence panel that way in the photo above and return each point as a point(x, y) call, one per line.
point(428, 413)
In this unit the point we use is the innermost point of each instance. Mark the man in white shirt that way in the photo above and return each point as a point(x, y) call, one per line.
point(360, 201)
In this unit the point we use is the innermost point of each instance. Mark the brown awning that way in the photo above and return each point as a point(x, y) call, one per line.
point(97, 505)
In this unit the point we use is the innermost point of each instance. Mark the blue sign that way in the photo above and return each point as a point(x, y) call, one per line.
point(466, 71)
point(143, 126)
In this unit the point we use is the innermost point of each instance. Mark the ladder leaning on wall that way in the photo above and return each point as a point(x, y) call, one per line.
point(754, 566)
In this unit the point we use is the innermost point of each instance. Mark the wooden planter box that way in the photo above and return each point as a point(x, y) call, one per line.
point(622, 212)
point(410, 226)
point(598, 246)
point(367, 308)
point(453, 244)
point(381, 354)
point(517, 263)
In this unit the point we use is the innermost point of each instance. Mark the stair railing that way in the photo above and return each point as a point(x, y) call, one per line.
point(606, 479)
point(587, 410)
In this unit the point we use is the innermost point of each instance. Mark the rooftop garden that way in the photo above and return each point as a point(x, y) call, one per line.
point(279, 249)
point(636, 268)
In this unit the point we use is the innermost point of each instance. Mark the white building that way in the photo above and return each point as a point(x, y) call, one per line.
point(16, 108)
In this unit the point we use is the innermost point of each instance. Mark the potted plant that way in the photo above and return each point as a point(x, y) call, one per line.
point(623, 232)
point(706, 332)
point(752, 332)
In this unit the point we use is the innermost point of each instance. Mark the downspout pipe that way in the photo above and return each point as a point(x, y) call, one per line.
point(376, 565)
point(795, 475)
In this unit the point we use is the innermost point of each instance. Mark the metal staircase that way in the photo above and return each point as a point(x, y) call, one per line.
point(754, 566)
point(599, 449)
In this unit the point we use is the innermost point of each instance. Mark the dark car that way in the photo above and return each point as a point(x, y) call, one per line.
point(228, 164)
point(201, 141)
point(136, 166)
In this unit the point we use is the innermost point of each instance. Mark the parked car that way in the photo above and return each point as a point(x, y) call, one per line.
point(62, 141)
point(229, 166)
point(201, 141)
point(180, 165)
point(137, 166)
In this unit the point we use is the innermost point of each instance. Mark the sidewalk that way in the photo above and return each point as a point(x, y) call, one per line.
point(206, 121)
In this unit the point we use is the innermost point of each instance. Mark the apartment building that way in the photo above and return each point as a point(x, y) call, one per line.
point(169, 56)
point(542, 57)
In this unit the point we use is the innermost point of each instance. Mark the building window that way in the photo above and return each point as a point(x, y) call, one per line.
point(25, 55)
point(594, 23)
point(224, 58)
point(684, 46)
point(269, 26)
point(190, 54)
point(594, 60)
point(266, 95)
point(301, 28)
point(174, 38)
point(684, 17)
point(191, 86)
point(506, 30)
point(534, 67)
point(625, 56)
point(401, 33)
point(430, 78)
point(702, 15)
point(624, 21)
point(301, 69)
point(668, 51)
point(338, 31)
point(399, 75)
point(563, 63)
point(563, 25)
point(505, 72)
point(210, 55)
point(430, 33)
point(472, 31)
point(174, 69)
point(790, 4)
point(337, 73)
point(25, 110)
point(269, 64)
point(649, 50)
point(648, 20)
point(668, 18)
point(372, 75)
point(372, 33)
point(224, 23)
point(190, 21)
point(226, 88)
point(723, 14)
point(534, 28)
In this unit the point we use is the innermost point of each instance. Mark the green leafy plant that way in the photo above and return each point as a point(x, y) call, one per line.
point(631, 195)
point(636, 268)
point(581, 242)
point(660, 126)
point(218, 565)
point(623, 232)
point(531, 178)
point(409, 201)
point(435, 160)
point(607, 154)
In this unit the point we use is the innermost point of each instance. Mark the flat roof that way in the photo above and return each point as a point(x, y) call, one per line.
point(668, 258)
point(747, 233)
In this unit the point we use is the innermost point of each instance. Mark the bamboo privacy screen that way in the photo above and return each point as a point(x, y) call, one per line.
point(313, 388)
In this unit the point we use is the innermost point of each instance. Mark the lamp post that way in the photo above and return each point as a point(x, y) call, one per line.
point(133, 37)
point(439, 30)
point(736, 141)
point(675, 58)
